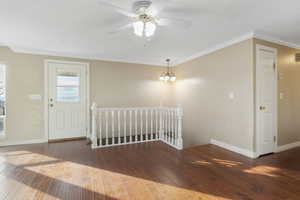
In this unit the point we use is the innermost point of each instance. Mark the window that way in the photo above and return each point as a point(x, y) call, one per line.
point(68, 87)
point(2, 99)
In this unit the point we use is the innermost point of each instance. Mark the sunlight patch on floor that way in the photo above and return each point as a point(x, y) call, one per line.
point(26, 158)
point(201, 162)
point(15, 153)
point(68, 172)
point(227, 163)
point(81, 176)
point(263, 170)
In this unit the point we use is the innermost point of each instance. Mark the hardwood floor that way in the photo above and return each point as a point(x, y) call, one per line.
point(71, 170)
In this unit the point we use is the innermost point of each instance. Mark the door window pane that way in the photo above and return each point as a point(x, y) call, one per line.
point(68, 87)
point(2, 99)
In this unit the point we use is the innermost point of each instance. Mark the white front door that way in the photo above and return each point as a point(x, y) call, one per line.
point(67, 100)
point(266, 99)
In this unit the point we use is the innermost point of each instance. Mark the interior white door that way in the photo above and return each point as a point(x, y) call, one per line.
point(67, 104)
point(266, 87)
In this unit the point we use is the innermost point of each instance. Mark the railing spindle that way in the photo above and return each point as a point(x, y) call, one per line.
point(165, 124)
point(146, 125)
point(169, 125)
point(125, 128)
point(141, 115)
point(156, 124)
point(113, 126)
point(172, 135)
point(106, 127)
point(151, 122)
point(176, 128)
point(100, 128)
point(136, 126)
point(170, 139)
point(161, 124)
point(130, 126)
point(119, 128)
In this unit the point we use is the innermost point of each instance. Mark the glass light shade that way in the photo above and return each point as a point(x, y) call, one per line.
point(150, 28)
point(144, 29)
point(167, 77)
point(139, 28)
point(162, 77)
point(173, 78)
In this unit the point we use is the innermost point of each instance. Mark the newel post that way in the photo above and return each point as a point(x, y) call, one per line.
point(94, 125)
point(179, 121)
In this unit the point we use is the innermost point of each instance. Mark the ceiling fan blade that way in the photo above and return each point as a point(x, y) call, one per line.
point(174, 21)
point(117, 30)
point(118, 9)
point(156, 8)
point(163, 22)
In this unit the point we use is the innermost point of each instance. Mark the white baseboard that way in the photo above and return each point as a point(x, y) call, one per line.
point(235, 149)
point(288, 146)
point(34, 141)
point(172, 145)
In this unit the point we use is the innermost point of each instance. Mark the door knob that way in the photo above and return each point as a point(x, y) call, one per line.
point(262, 108)
point(51, 105)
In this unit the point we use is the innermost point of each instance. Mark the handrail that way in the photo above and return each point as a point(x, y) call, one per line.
point(119, 126)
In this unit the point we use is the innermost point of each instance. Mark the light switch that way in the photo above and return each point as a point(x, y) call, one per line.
point(35, 97)
point(281, 95)
point(231, 95)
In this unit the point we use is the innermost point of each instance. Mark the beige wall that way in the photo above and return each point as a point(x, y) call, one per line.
point(204, 85)
point(203, 89)
point(111, 84)
point(289, 85)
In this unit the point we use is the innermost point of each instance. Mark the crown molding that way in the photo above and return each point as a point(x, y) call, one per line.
point(235, 41)
point(222, 45)
point(216, 47)
point(34, 51)
point(275, 40)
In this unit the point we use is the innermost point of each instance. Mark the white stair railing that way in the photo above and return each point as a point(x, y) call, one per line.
point(120, 126)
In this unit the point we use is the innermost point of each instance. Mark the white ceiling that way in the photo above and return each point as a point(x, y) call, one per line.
point(80, 28)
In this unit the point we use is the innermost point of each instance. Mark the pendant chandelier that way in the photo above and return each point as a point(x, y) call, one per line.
point(169, 75)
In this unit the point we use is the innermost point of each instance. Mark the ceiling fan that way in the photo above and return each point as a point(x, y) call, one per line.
point(144, 18)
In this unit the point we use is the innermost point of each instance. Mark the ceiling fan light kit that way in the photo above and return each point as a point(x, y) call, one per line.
point(145, 27)
point(144, 19)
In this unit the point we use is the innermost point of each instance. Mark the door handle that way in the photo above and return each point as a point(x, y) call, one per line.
point(51, 105)
point(262, 108)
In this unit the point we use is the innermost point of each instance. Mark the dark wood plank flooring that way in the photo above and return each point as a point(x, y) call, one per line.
point(71, 170)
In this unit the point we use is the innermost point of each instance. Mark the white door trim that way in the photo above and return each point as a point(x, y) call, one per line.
point(46, 94)
point(257, 100)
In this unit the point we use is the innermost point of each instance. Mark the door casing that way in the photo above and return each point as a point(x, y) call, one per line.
point(46, 94)
point(257, 98)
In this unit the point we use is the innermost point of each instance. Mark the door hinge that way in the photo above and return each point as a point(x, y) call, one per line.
point(275, 139)
point(274, 66)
